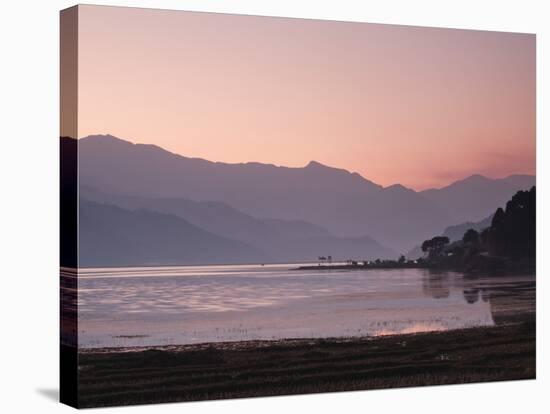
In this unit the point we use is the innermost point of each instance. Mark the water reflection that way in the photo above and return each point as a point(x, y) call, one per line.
point(507, 295)
point(178, 305)
point(436, 284)
point(68, 299)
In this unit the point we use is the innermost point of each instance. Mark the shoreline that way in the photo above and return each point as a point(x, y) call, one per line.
point(283, 342)
point(209, 371)
point(363, 267)
point(522, 268)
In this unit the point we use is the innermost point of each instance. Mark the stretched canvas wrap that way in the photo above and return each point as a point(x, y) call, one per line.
point(256, 206)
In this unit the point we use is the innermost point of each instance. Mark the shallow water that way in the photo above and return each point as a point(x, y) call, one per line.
point(125, 307)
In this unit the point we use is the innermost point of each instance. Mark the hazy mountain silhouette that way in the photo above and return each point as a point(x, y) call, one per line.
point(455, 233)
point(476, 197)
point(112, 236)
point(281, 240)
point(344, 203)
point(213, 216)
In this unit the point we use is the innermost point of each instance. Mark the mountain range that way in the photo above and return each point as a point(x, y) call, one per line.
point(273, 240)
point(112, 236)
point(475, 197)
point(267, 206)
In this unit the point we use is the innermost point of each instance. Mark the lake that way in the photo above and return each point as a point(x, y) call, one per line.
point(145, 306)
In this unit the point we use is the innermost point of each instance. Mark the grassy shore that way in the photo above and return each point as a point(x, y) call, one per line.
point(263, 368)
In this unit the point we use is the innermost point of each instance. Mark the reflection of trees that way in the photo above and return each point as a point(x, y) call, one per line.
point(436, 284)
point(471, 295)
point(508, 301)
point(471, 289)
point(501, 302)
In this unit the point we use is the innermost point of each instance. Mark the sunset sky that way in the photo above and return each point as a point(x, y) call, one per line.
point(418, 106)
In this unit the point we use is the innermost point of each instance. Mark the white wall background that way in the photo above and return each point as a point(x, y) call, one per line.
point(29, 204)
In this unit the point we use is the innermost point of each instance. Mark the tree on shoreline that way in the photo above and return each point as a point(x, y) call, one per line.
point(435, 246)
point(471, 237)
point(513, 229)
point(510, 240)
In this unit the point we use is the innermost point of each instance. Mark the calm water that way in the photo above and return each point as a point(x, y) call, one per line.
point(181, 305)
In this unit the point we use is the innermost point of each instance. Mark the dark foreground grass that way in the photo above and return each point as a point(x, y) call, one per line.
point(262, 368)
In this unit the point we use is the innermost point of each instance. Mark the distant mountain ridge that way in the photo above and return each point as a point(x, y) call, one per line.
point(476, 196)
point(112, 236)
point(278, 240)
point(345, 204)
point(456, 232)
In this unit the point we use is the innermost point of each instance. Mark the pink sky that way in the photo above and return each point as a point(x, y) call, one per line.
point(418, 106)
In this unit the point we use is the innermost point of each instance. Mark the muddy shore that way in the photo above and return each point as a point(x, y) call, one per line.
point(262, 368)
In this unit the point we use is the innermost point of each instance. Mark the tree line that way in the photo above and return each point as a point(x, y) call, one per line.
point(511, 235)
